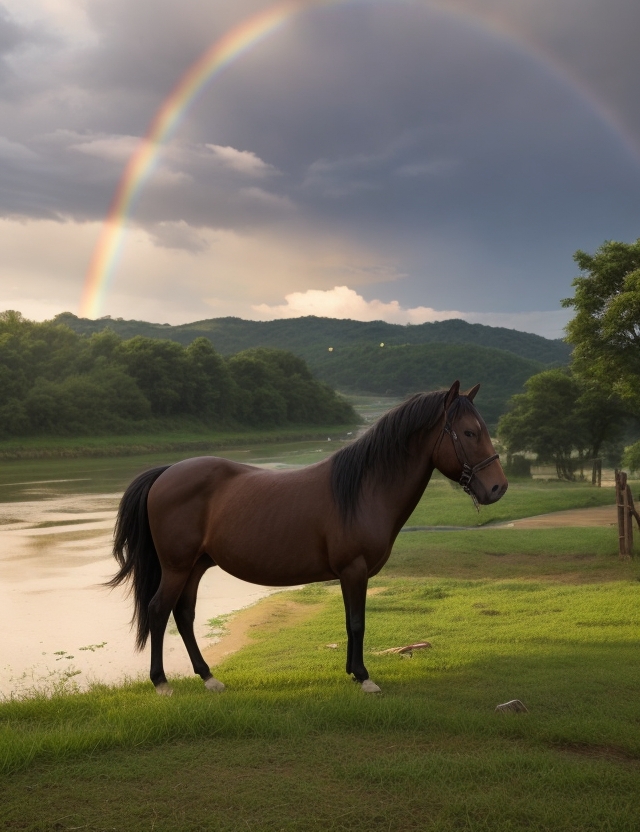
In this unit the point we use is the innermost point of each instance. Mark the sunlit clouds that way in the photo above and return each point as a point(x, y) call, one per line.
point(342, 302)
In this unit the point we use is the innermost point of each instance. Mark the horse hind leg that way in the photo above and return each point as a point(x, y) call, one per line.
point(184, 613)
point(160, 606)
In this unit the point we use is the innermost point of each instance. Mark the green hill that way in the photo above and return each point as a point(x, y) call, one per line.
point(311, 337)
point(347, 354)
point(398, 371)
point(56, 382)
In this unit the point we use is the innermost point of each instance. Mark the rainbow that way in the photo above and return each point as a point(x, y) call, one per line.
point(163, 125)
point(235, 43)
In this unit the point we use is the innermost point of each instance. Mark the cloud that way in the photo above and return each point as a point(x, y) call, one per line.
point(359, 143)
point(116, 149)
point(242, 161)
point(342, 302)
point(15, 152)
point(436, 167)
point(178, 235)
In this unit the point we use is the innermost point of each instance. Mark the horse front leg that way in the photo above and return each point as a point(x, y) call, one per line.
point(353, 582)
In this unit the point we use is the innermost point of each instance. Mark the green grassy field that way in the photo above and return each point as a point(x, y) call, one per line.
point(547, 616)
point(47, 447)
point(445, 504)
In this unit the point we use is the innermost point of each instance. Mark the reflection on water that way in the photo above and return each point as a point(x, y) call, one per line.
point(56, 526)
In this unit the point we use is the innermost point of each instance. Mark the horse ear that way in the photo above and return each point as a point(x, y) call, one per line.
point(452, 395)
point(472, 393)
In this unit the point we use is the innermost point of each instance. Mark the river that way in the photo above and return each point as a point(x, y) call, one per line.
point(60, 625)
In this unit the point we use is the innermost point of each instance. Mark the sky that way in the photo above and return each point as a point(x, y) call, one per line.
point(400, 160)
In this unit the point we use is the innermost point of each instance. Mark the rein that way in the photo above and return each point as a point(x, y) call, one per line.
point(468, 471)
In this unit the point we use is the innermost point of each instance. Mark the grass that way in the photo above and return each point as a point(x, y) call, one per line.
point(547, 616)
point(524, 498)
point(574, 554)
point(43, 447)
point(293, 745)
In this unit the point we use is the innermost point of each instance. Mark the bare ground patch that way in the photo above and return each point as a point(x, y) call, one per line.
point(592, 516)
point(270, 614)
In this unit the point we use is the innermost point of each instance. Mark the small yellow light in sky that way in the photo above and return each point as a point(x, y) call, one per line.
point(382, 345)
point(330, 349)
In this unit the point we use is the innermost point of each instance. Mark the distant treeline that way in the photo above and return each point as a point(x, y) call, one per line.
point(54, 381)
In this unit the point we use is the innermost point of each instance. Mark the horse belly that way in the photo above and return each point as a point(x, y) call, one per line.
point(275, 547)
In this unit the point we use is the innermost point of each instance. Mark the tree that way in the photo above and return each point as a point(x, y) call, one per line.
point(605, 331)
point(541, 421)
point(561, 418)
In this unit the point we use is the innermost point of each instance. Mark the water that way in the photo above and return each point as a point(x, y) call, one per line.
point(56, 526)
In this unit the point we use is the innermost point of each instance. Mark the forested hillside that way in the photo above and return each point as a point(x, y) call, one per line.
point(397, 371)
point(311, 337)
point(54, 381)
point(348, 355)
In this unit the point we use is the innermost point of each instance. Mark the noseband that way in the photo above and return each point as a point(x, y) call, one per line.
point(468, 471)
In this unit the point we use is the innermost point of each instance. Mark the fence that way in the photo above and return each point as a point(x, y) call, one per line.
point(626, 512)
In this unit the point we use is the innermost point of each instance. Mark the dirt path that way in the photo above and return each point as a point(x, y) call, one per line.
point(598, 516)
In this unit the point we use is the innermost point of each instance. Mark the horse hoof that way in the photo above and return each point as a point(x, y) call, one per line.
point(370, 687)
point(214, 685)
point(164, 689)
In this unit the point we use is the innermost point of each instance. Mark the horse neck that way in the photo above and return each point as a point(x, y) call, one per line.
point(402, 492)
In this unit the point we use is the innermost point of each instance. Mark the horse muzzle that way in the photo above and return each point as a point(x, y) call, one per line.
point(482, 492)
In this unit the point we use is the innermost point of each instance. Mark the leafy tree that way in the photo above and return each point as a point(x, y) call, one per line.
point(259, 401)
point(56, 381)
point(210, 390)
point(605, 331)
point(159, 369)
point(541, 420)
point(562, 419)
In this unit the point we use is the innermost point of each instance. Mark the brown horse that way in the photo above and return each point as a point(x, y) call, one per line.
point(338, 519)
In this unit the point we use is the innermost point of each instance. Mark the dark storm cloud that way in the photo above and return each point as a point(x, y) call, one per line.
point(13, 37)
point(475, 161)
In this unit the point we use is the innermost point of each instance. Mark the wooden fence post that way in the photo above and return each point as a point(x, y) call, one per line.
point(626, 513)
point(621, 494)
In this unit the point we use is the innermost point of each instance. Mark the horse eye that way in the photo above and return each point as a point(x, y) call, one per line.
point(469, 433)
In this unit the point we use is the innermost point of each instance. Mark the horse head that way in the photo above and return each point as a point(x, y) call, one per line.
point(464, 451)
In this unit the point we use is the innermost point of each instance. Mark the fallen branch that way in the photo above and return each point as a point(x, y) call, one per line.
point(420, 645)
point(514, 706)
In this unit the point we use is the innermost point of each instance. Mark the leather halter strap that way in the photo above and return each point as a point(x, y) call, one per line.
point(468, 471)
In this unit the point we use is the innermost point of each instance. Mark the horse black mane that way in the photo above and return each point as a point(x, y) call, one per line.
point(383, 450)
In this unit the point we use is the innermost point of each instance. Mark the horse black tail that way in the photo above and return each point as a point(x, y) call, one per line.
point(135, 551)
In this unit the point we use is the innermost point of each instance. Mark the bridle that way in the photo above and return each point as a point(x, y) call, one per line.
point(468, 471)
